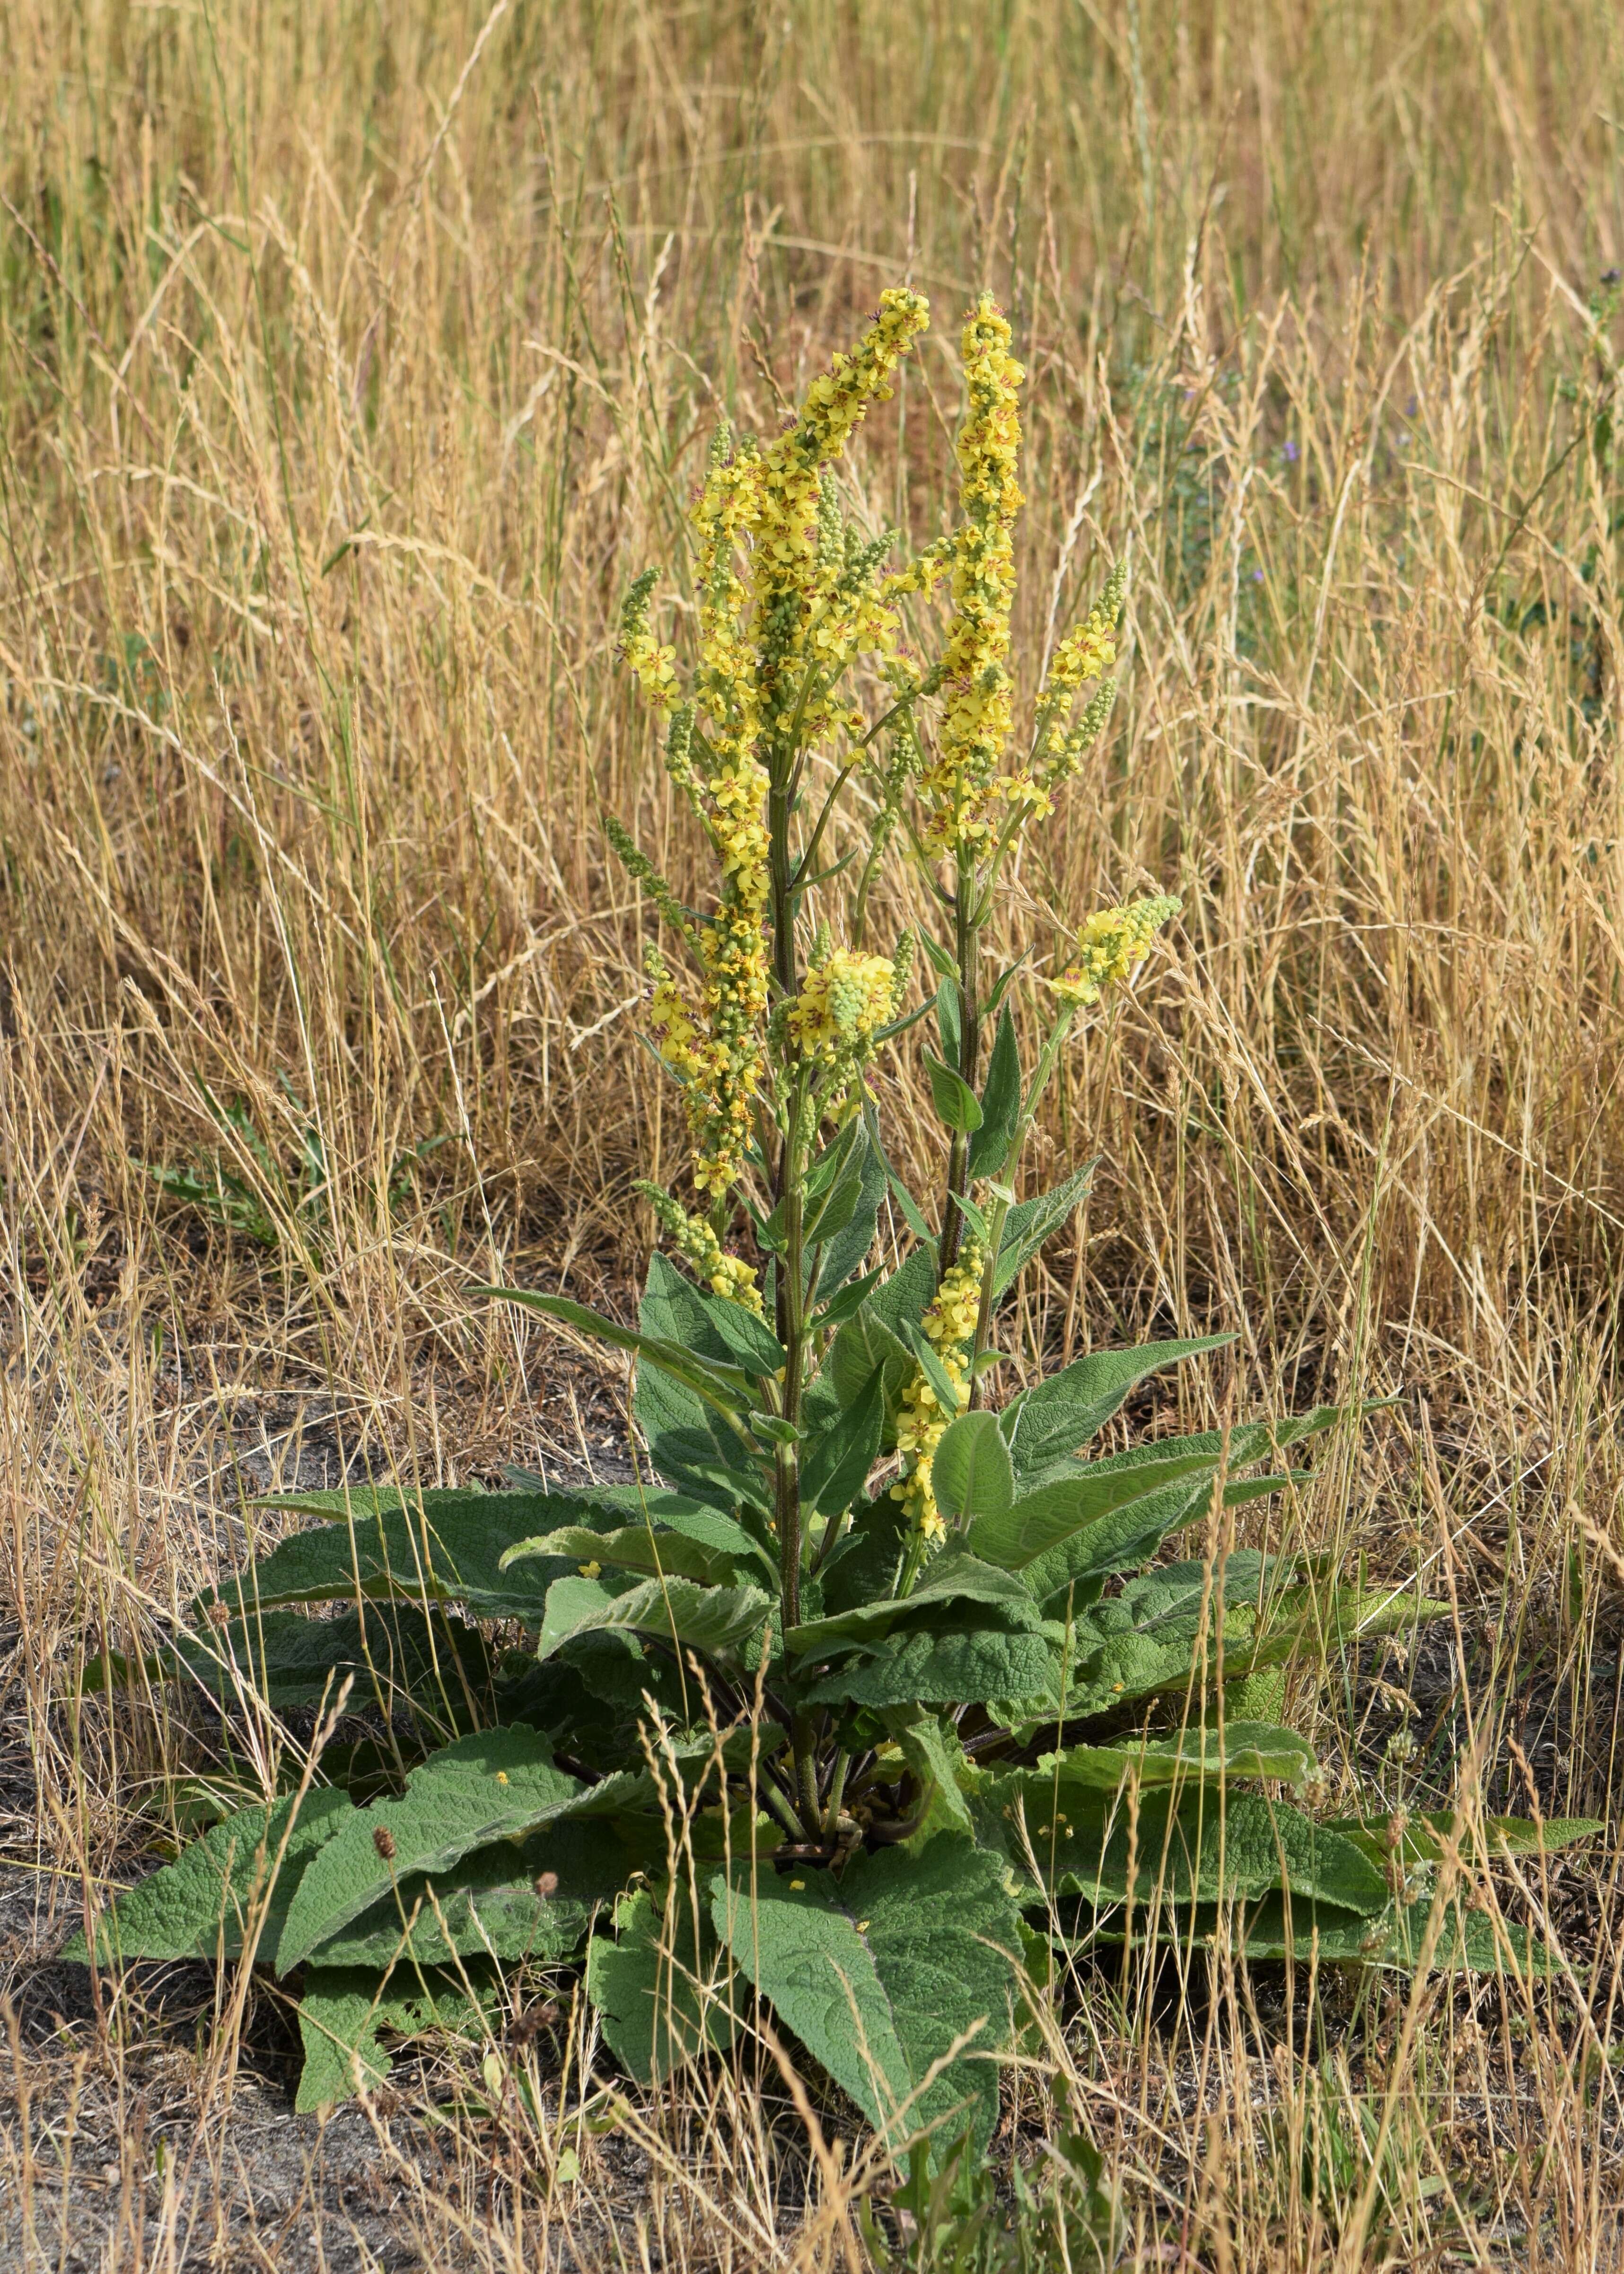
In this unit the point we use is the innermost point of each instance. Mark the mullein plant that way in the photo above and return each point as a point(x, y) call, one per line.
point(874, 1685)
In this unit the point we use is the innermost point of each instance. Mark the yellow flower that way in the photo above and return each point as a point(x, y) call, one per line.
point(845, 1001)
point(787, 597)
point(654, 665)
point(1111, 946)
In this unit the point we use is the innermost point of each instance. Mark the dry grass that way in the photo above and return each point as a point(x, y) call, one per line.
point(351, 363)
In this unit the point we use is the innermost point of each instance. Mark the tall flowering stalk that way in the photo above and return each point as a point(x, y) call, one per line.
point(772, 1032)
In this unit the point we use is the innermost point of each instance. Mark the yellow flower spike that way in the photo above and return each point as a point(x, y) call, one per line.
point(962, 785)
point(1079, 659)
point(787, 598)
point(921, 1420)
point(1111, 946)
point(696, 1243)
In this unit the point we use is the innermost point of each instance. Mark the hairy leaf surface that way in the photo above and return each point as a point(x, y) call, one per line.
point(533, 1899)
point(971, 1474)
point(678, 1611)
point(199, 1906)
point(879, 1972)
point(954, 1576)
point(1063, 1413)
point(1195, 1847)
point(494, 1783)
point(635, 1548)
point(423, 1547)
point(344, 2012)
point(942, 1669)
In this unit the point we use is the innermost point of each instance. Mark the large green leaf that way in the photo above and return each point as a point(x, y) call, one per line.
point(200, 1905)
point(875, 1337)
point(1163, 1628)
point(712, 1620)
point(1422, 1839)
point(726, 1386)
point(1001, 1105)
point(934, 1668)
point(1249, 1443)
point(741, 1535)
point(833, 1188)
point(1063, 1413)
point(937, 1762)
point(954, 1576)
point(1281, 1927)
point(396, 1655)
point(907, 1294)
point(1465, 1941)
point(663, 1990)
point(497, 1783)
point(1072, 1573)
point(593, 1695)
point(846, 1251)
point(638, 1547)
point(879, 1972)
point(1200, 1754)
point(1018, 1535)
point(836, 1465)
point(971, 1474)
point(535, 1900)
point(345, 2010)
point(1161, 1633)
point(689, 1441)
point(958, 1106)
point(425, 1547)
point(866, 1563)
point(1205, 1845)
point(866, 1346)
point(1276, 1926)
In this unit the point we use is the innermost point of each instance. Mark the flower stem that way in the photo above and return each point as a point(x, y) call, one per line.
point(967, 919)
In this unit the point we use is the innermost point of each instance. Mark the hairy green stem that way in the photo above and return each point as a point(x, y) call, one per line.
point(1048, 1059)
point(791, 1306)
point(967, 919)
point(837, 1790)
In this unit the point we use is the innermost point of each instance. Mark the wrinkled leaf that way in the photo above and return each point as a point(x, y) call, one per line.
point(423, 1547)
point(1018, 1535)
point(952, 1575)
point(878, 1973)
point(681, 1612)
point(495, 1903)
point(199, 1906)
point(1063, 1413)
point(837, 1462)
point(1001, 1105)
point(1029, 1225)
point(344, 2012)
point(931, 1668)
point(496, 1783)
point(633, 1548)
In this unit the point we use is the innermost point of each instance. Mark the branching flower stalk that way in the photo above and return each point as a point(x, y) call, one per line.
point(772, 1049)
